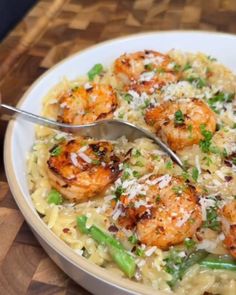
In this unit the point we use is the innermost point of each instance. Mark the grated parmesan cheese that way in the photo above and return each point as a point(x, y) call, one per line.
point(73, 157)
point(150, 251)
point(84, 157)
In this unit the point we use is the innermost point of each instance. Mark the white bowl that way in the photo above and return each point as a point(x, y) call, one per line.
point(20, 137)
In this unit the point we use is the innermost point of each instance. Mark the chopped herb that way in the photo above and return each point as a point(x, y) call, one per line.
point(224, 153)
point(189, 243)
point(126, 165)
point(185, 175)
point(169, 165)
point(195, 174)
point(119, 191)
point(177, 265)
point(139, 164)
point(56, 151)
point(158, 198)
point(133, 239)
point(96, 162)
point(234, 126)
point(178, 189)
point(125, 175)
point(146, 103)
point(197, 81)
point(234, 161)
point(136, 174)
point(179, 118)
point(187, 66)
point(221, 97)
point(215, 150)
point(160, 70)
point(149, 67)
point(121, 115)
point(139, 252)
point(206, 142)
point(212, 221)
point(176, 67)
point(208, 160)
point(156, 157)
point(96, 70)
point(211, 58)
point(136, 153)
point(128, 97)
point(54, 197)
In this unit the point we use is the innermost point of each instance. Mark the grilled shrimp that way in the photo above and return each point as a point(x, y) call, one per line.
point(144, 71)
point(170, 215)
point(82, 170)
point(83, 105)
point(179, 123)
point(228, 217)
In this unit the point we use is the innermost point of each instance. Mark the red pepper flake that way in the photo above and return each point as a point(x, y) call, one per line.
point(66, 230)
point(112, 228)
point(228, 178)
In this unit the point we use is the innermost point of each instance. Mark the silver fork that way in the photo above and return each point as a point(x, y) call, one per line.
point(104, 129)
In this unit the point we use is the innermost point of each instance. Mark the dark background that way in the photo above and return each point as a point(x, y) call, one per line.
point(11, 12)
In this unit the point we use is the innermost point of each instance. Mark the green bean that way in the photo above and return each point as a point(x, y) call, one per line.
point(213, 261)
point(118, 253)
point(177, 266)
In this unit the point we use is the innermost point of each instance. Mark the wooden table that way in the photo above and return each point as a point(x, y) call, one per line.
point(51, 31)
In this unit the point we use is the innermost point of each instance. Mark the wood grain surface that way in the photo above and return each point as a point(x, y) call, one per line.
point(51, 31)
